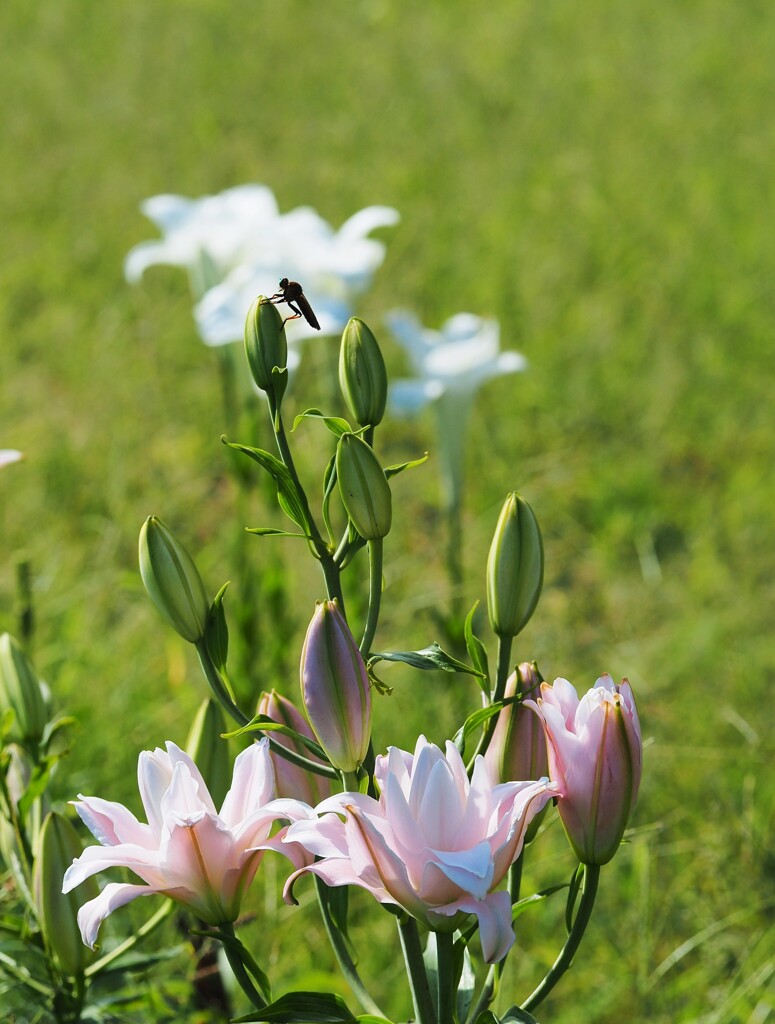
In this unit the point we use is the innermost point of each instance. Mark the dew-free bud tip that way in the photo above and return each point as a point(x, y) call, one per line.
point(362, 374)
point(515, 568)
point(172, 580)
point(363, 487)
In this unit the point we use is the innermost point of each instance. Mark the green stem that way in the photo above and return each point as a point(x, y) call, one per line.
point(502, 674)
point(375, 595)
point(415, 968)
point(150, 925)
point(445, 977)
point(564, 960)
point(232, 951)
point(217, 684)
point(324, 555)
point(339, 946)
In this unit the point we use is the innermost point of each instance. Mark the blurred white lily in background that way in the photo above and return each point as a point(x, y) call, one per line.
point(237, 245)
point(9, 455)
point(450, 366)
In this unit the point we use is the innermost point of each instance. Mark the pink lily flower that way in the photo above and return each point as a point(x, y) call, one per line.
point(187, 850)
point(595, 757)
point(434, 843)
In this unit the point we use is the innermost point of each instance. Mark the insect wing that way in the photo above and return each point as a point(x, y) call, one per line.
point(306, 310)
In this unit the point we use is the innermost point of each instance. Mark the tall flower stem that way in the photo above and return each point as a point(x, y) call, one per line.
point(339, 946)
point(233, 949)
point(502, 674)
point(445, 976)
point(415, 969)
point(325, 556)
point(375, 595)
point(564, 960)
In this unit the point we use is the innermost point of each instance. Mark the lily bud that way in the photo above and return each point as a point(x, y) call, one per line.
point(21, 691)
point(364, 488)
point(208, 750)
point(172, 580)
point(58, 846)
point(335, 688)
point(515, 568)
point(266, 346)
point(292, 781)
point(517, 750)
point(595, 756)
point(362, 375)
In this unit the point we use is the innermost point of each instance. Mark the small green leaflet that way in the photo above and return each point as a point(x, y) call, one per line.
point(335, 424)
point(287, 494)
point(429, 658)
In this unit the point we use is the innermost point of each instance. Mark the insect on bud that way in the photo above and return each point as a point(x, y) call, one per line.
point(362, 375)
point(364, 488)
point(515, 567)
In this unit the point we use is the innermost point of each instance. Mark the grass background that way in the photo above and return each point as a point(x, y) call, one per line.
point(597, 176)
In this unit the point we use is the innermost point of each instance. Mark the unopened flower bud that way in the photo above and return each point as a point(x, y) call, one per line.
point(22, 692)
point(364, 488)
point(208, 751)
point(266, 346)
point(595, 759)
point(335, 688)
point(362, 375)
point(292, 781)
point(58, 846)
point(172, 580)
point(517, 750)
point(515, 567)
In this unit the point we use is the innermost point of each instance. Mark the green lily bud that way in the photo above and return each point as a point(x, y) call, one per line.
point(362, 375)
point(335, 688)
point(266, 346)
point(172, 580)
point(208, 751)
point(515, 567)
point(364, 488)
point(21, 691)
point(58, 846)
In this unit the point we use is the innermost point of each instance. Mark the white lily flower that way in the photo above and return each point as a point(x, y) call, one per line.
point(450, 366)
point(333, 267)
point(9, 455)
point(207, 236)
point(237, 245)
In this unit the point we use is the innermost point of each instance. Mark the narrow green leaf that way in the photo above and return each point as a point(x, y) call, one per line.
point(395, 470)
point(476, 650)
point(268, 531)
point(302, 1008)
point(287, 495)
point(217, 631)
point(335, 424)
point(432, 657)
point(262, 723)
point(475, 721)
point(516, 1015)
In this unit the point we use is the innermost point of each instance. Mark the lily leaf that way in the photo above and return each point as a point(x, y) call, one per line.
point(302, 1008)
point(431, 657)
point(336, 424)
point(287, 494)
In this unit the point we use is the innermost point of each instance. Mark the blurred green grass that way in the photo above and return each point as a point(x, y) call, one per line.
point(597, 176)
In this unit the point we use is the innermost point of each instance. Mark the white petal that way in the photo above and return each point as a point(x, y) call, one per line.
point(114, 895)
point(9, 455)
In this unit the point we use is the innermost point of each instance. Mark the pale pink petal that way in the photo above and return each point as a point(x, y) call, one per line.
point(178, 756)
point(252, 785)
point(495, 929)
point(111, 823)
point(114, 895)
point(142, 861)
point(470, 870)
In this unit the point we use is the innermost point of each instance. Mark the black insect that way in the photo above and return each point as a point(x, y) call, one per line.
point(292, 293)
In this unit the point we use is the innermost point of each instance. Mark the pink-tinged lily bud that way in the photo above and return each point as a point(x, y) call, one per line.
point(335, 688)
point(517, 750)
point(515, 567)
point(22, 693)
point(172, 580)
point(292, 781)
point(595, 756)
point(58, 846)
